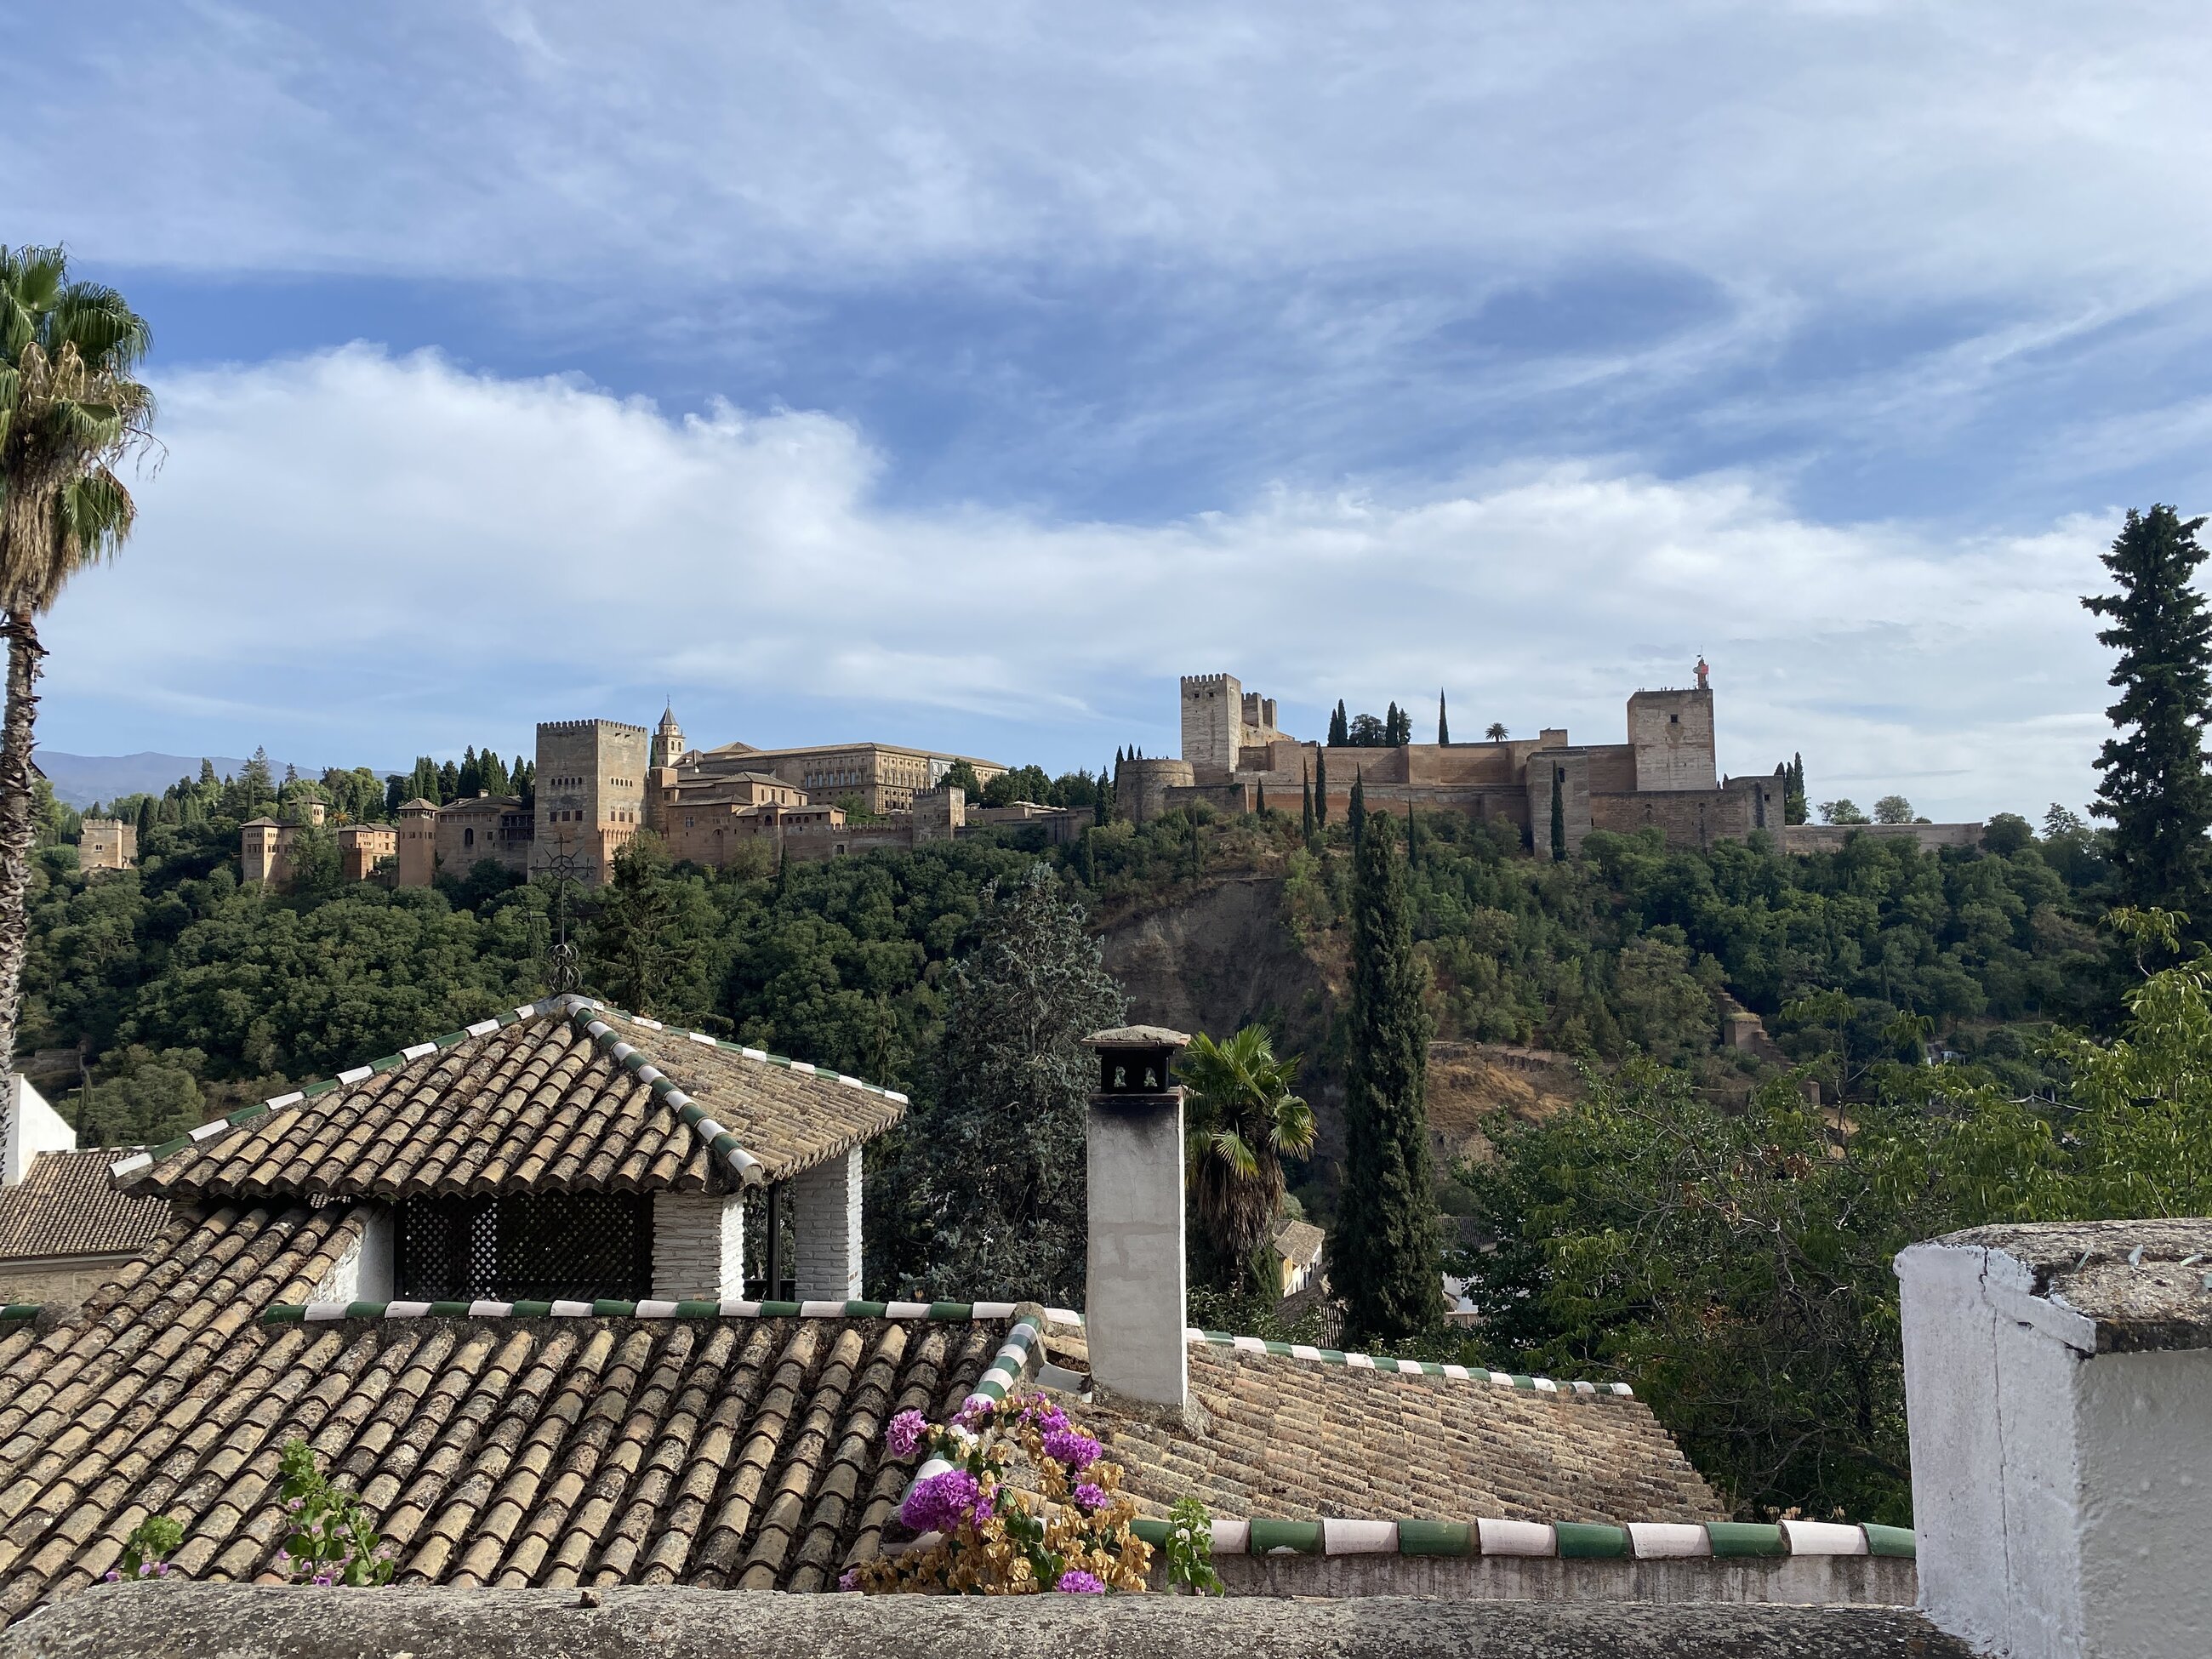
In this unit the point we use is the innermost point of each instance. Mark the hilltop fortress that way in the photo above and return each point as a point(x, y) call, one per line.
point(1664, 777)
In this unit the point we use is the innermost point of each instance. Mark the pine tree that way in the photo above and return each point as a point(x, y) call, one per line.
point(1384, 1256)
point(1321, 787)
point(2156, 791)
point(1340, 727)
point(1356, 817)
point(1558, 815)
point(1443, 723)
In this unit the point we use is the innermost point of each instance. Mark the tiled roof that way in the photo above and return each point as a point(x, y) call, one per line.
point(563, 1095)
point(1298, 1440)
point(1299, 1243)
point(64, 1206)
point(735, 1453)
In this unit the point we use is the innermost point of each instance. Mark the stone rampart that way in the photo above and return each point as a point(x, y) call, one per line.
point(1831, 837)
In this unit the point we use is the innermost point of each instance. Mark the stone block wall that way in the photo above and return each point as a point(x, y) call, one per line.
point(1571, 768)
point(1212, 723)
point(1671, 732)
point(106, 844)
point(1141, 787)
point(591, 790)
point(1831, 837)
point(825, 1229)
point(698, 1246)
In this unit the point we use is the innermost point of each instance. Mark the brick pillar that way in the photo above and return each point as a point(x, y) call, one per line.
point(698, 1246)
point(825, 1225)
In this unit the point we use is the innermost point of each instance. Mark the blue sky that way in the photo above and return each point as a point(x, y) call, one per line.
point(963, 374)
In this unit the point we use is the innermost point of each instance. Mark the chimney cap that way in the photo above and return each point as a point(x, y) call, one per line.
point(1137, 1037)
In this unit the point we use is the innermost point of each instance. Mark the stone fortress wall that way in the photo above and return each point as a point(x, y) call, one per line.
point(1664, 777)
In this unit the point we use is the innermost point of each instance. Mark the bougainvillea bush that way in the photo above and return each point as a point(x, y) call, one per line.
point(1025, 1505)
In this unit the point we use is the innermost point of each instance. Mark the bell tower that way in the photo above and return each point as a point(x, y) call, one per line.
point(667, 740)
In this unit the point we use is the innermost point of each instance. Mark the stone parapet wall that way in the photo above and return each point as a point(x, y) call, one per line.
point(1821, 1580)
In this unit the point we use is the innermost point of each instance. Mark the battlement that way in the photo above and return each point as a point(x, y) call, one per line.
point(621, 726)
point(1198, 684)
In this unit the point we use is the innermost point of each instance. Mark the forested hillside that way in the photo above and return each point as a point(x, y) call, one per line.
point(184, 988)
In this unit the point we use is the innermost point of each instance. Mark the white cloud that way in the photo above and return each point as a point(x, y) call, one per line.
point(380, 556)
point(1981, 147)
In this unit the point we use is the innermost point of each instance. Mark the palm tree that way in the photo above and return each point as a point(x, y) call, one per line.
point(1496, 732)
point(1243, 1118)
point(70, 414)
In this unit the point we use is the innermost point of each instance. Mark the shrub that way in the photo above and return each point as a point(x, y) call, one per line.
point(983, 1535)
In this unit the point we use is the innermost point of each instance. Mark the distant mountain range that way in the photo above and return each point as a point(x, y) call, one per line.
point(81, 780)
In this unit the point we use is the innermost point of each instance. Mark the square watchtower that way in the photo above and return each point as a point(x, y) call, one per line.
point(591, 791)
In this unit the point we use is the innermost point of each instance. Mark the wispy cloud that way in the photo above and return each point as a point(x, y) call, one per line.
point(384, 554)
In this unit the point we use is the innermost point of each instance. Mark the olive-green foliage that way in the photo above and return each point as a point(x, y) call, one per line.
point(1737, 1264)
point(980, 1192)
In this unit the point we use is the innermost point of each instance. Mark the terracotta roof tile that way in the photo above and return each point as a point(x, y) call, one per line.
point(555, 1099)
point(1295, 1440)
point(65, 1205)
point(726, 1452)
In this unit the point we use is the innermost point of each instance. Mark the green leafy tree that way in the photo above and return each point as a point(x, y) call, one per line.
point(985, 1179)
point(1383, 1249)
point(636, 949)
point(1495, 732)
point(1243, 1119)
point(1366, 731)
point(1844, 810)
point(962, 775)
point(2156, 791)
point(70, 414)
point(1892, 809)
point(1027, 783)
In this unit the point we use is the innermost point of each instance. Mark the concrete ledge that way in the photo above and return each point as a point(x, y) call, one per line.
point(172, 1620)
point(1859, 1581)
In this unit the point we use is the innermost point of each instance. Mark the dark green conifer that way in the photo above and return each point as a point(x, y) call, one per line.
point(1260, 798)
point(2155, 791)
point(1321, 787)
point(1384, 1256)
point(1793, 791)
point(1356, 819)
point(1340, 727)
point(1305, 810)
point(1443, 723)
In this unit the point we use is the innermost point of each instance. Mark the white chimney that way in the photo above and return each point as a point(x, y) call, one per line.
point(2058, 1380)
point(32, 1127)
point(1133, 1310)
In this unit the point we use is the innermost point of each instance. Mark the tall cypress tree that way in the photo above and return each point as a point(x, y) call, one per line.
point(1356, 817)
point(1558, 817)
point(1443, 723)
point(1103, 811)
point(1340, 729)
point(1305, 813)
point(1260, 798)
point(1793, 791)
point(2155, 790)
point(1383, 1256)
point(1320, 786)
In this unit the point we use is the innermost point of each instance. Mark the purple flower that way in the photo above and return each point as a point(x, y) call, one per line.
point(1076, 1582)
point(1069, 1446)
point(849, 1579)
point(973, 1409)
point(941, 1503)
point(1091, 1498)
point(905, 1433)
point(1046, 1416)
point(110, 1577)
